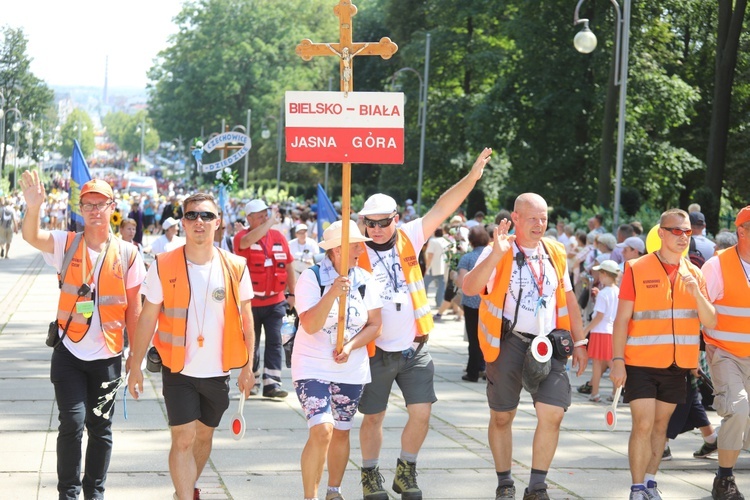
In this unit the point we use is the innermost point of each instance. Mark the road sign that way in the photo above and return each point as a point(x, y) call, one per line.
point(334, 127)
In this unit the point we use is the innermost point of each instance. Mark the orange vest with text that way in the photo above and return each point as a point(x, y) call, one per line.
point(170, 336)
point(664, 329)
point(732, 330)
point(414, 282)
point(491, 307)
point(110, 295)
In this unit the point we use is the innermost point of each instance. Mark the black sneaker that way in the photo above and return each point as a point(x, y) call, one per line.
point(706, 449)
point(505, 492)
point(276, 392)
point(536, 494)
point(726, 489)
point(585, 388)
point(667, 455)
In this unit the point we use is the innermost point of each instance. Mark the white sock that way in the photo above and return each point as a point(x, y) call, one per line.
point(649, 477)
point(712, 438)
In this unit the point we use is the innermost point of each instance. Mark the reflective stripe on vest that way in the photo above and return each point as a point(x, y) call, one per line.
point(664, 328)
point(491, 306)
point(732, 330)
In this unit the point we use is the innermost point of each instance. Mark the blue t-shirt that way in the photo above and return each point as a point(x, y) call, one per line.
point(468, 261)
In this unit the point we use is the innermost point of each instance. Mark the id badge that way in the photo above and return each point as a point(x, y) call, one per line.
point(268, 263)
point(399, 298)
point(86, 308)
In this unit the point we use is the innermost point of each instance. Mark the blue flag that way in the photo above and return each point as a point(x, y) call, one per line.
point(326, 212)
point(79, 175)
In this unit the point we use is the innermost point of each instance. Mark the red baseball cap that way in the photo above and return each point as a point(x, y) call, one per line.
point(743, 216)
point(98, 186)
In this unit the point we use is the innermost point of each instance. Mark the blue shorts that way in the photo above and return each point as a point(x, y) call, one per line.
point(328, 402)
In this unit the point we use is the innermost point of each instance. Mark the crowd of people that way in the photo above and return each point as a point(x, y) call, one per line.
point(225, 276)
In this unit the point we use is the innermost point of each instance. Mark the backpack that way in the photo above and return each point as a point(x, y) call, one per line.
point(695, 255)
point(7, 217)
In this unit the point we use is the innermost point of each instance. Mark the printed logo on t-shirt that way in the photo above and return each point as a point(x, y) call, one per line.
point(530, 298)
point(218, 294)
point(386, 273)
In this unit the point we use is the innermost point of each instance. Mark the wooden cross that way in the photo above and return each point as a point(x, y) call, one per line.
point(227, 148)
point(346, 50)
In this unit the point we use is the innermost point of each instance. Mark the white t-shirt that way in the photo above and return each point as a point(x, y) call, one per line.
point(312, 357)
point(437, 247)
point(715, 280)
point(205, 313)
point(302, 254)
point(399, 326)
point(92, 346)
point(606, 303)
point(527, 320)
point(161, 244)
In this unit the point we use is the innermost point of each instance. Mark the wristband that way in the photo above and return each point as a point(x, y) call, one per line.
point(290, 295)
point(621, 359)
point(580, 343)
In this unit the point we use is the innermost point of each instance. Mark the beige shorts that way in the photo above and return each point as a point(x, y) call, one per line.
point(731, 378)
point(6, 235)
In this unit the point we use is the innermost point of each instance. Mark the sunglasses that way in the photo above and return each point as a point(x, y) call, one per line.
point(382, 223)
point(205, 216)
point(678, 231)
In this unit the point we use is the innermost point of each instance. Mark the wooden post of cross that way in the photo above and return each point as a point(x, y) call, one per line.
point(227, 147)
point(346, 50)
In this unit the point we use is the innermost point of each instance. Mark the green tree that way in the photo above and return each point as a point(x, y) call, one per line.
point(126, 131)
point(78, 126)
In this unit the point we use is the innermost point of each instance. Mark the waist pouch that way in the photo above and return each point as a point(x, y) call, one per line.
point(562, 343)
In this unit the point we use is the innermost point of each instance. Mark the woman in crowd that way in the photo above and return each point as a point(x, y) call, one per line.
point(329, 383)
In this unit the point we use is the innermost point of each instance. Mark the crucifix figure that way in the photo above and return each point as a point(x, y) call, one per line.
point(346, 49)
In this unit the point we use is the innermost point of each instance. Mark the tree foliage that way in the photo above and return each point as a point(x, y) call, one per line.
point(78, 126)
point(125, 130)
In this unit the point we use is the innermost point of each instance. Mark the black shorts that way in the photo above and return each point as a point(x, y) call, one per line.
point(188, 398)
point(663, 384)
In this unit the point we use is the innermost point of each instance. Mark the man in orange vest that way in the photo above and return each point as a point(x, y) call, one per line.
point(656, 338)
point(198, 302)
point(270, 263)
point(728, 351)
point(99, 281)
point(524, 284)
point(399, 354)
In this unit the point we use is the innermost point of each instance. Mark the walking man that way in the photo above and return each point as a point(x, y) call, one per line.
point(270, 263)
point(99, 277)
point(656, 338)
point(400, 353)
point(728, 352)
point(198, 302)
point(526, 293)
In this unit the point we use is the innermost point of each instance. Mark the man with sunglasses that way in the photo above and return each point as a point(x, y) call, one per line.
point(98, 299)
point(198, 301)
point(270, 263)
point(400, 353)
point(663, 302)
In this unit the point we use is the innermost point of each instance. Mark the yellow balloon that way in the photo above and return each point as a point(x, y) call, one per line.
point(653, 242)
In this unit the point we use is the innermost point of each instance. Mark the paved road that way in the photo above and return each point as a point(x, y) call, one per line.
point(455, 462)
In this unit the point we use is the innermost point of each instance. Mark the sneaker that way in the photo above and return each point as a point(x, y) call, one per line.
point(726, 489)
point(196, 494)
point(585, 388)
point(469, 378)
point(539, 493)
point(437, 317)
point(372, 484)
point(335, 496)
point(667, 455)
point(706, 449)
point(638, 493)
point(652, 491)
point(505, 492)
point(276, 392)
point(255, 390)
point(405, 481)
point(595, 398)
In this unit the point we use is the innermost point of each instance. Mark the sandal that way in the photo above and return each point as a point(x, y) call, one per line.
point(595, 398)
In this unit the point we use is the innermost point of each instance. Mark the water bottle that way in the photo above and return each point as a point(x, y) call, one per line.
point(287, 338)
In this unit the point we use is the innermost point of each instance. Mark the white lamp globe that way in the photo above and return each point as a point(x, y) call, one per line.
point(585, 41)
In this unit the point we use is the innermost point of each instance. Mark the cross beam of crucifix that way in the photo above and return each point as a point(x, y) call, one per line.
point(346, 50)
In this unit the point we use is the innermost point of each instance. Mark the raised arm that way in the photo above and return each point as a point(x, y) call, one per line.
point(34, 194)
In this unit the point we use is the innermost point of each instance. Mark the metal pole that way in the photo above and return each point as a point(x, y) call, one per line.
point(247, 156)
point(424, 122)
point(143, 136)
point(278, 146)
point(15, 159)
point(624, 46)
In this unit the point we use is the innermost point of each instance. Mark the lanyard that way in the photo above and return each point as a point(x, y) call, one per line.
point(742, 265)
point(388, 272)
point(260, 242)
point(538, 278)
point(99, 258)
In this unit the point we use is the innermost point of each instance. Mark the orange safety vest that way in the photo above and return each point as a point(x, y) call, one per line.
point(732, 331)
point(111, 296)
point(268, 281)
point(172, 328)
point(491, 307)
point(414, 282)
point(664, 329)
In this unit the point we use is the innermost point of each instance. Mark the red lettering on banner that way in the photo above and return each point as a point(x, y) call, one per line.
point(378, 110)
point(319, 108)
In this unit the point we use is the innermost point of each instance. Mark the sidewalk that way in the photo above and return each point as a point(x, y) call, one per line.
point(455, 462)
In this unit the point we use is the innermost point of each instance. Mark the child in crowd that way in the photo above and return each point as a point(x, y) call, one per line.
point(600, 327)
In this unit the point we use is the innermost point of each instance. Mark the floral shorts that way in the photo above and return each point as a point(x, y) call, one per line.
point(328, 402)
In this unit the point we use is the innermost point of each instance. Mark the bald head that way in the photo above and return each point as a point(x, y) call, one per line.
point(527, 201)
point(530, 219)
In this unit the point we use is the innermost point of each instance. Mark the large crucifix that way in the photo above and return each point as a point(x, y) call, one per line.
point(346, 50)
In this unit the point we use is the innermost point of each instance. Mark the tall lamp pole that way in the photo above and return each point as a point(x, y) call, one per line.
point(16, 128)
point(266, 134)
point(585, 42)
point(2, 130)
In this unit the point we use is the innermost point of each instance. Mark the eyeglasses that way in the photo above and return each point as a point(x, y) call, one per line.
point(205, 216)
point(90, 207)
point(381, 223)
point(678, 231)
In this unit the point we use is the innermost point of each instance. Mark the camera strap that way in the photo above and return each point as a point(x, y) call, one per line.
point(520, 259)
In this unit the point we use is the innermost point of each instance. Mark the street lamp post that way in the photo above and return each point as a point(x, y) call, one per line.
point(266, 134)
point(422, 116)
point(2, 128)
point(585, 42)
point(80, 127)
point(16, 127)
point(142, 130)
point(29, 136)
